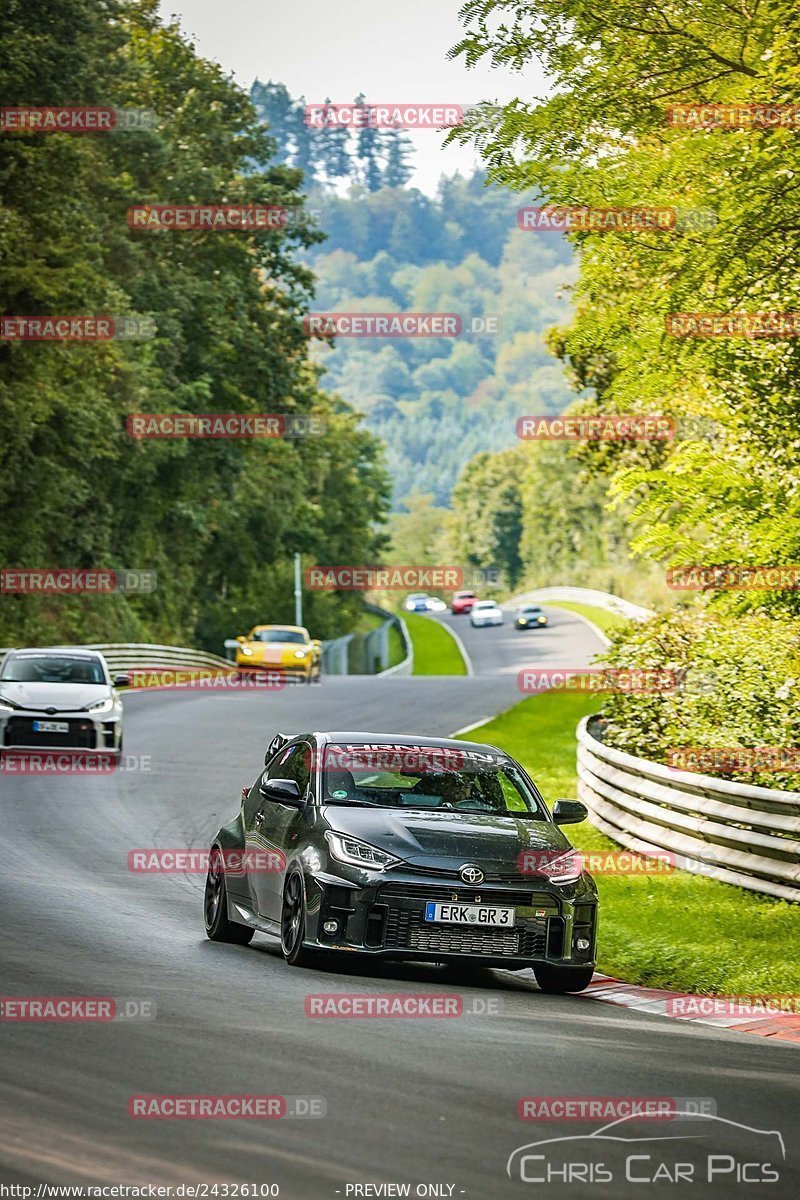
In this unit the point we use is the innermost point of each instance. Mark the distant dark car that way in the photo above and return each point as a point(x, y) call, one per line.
point(406, 848)
point(530, 616)
point(462, 602)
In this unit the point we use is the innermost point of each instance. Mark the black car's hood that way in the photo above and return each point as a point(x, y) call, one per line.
point(446, 839)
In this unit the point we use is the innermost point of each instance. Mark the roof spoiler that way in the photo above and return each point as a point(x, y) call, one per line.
point(277, 743)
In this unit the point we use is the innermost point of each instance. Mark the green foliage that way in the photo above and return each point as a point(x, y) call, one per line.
point(218, 520)
point(738, 685)
point(726, 489)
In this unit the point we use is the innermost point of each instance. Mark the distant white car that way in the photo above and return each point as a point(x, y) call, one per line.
point(422, 602)
point(53, 698)
point(486, 612)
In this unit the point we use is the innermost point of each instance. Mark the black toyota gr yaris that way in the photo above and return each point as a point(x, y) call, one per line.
point(406, 848)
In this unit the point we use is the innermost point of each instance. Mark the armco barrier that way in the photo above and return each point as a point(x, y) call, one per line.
point(734, 832)
point(122, 656)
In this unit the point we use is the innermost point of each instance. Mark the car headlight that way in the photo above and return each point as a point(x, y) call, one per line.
point(300, 653)
point(7, 705)
point(359, 854)
point(567, 868)
point(245, 650)
point(101, 705)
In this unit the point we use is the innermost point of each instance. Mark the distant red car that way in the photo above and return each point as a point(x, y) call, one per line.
point(462, 602)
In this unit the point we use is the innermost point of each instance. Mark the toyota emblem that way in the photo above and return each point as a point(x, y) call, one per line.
point(471, 874)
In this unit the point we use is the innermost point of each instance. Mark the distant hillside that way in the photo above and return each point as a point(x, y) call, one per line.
point(436, 402)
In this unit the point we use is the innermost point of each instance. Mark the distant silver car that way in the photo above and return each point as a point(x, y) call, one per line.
point(486, 612)
point(56, 699)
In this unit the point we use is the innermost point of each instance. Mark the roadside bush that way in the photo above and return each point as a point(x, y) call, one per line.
point(738, 685)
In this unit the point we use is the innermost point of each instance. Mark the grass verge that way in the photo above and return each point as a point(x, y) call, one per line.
point(436, 651)
point(676, 930)
point(601, 617)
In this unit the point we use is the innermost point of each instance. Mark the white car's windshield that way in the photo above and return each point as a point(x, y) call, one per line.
point(48, 668)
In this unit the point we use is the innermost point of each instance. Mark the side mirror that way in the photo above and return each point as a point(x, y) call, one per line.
point(122, 681)
point(241, 638)
point(284, 791)
point(569, 812)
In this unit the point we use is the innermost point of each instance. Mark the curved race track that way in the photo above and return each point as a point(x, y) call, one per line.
point(416, 1101)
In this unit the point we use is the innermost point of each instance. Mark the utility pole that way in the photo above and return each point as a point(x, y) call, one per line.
point(298, 593)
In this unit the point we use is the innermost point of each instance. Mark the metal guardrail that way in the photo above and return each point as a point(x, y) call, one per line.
point(590, 596)
point(734, 832)
point(122, 656)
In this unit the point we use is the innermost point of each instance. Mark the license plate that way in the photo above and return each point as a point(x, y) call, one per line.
point(470, 914)
point(51, 727)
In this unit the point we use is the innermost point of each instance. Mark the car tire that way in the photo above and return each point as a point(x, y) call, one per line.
point(558, 980)
point(293, 923)
point(215, 907)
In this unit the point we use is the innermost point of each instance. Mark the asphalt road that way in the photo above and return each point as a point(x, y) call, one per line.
point(423, 1102)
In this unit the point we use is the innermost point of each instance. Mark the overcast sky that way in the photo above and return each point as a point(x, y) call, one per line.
point(318, 49)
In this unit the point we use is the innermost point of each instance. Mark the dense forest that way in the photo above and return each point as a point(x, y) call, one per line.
point(218, 521)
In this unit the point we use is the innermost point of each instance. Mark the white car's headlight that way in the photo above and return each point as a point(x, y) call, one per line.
point(300, 653)
point(101, 705)
point(358, 854)
point(6, 705)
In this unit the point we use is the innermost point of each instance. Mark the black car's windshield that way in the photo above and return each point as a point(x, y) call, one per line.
point(48, 668)
point(279, 635)
point(427, 777)
point(529, 611)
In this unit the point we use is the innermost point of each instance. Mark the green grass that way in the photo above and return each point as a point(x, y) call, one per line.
point(435, 649)
point(600, 617)
point(677, 930)
point(397, 650)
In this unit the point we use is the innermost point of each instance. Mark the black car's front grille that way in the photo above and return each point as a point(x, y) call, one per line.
point(407, 930)
point(460, 894)
point(20, 732)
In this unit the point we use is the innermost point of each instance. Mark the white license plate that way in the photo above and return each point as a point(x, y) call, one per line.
point(51, 727)
point(470, 914)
